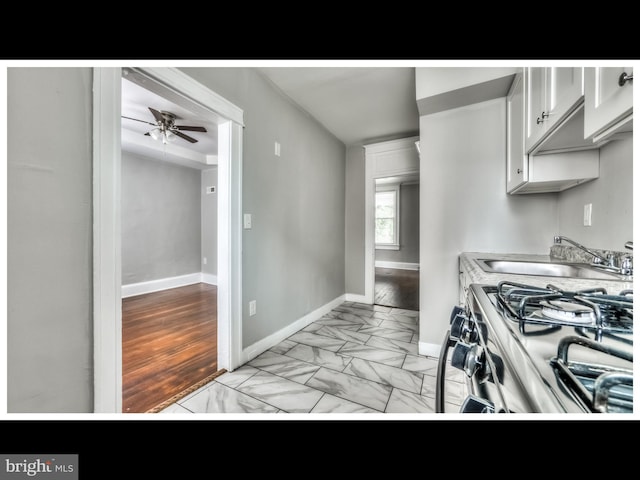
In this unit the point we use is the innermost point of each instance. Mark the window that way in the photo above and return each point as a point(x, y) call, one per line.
point(387, 218)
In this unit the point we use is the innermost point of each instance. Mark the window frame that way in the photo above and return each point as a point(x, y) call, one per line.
point(395, 245)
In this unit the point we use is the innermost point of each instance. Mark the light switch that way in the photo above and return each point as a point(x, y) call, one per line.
point(247, 221)
point(587, 215)
point(277, 149)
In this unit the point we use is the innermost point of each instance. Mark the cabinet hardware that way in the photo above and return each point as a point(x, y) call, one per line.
point(519, 170)
point(539, 120)
point(622, 80)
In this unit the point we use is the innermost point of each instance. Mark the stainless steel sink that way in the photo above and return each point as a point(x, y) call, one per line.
point(547, 269)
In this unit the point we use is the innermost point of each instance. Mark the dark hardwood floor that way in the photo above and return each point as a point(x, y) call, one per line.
point(169, 343)
point(397, 288)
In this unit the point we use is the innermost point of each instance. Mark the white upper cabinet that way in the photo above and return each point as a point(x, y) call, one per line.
point(535, 105)
point(517, 161)
point(553, 93)
point(555, 163)
point(608, 101)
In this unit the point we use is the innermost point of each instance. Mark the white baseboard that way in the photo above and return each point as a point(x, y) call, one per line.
point(266, 343)
point(429, 349)
point(354, 297)
point(209, 278)
point(160, 284)
point(398, 265)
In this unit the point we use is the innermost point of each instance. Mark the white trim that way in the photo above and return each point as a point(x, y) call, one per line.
point(134, 289)
point(188, 87)
point(107, 304)
point(209, 278)
point(369, 230)
point(107, 300)
point(260, 346)
point(355, 298)
point(398, 265)
point(388, 247)
point(429, 349)
point(230, 245)
point(369, 208)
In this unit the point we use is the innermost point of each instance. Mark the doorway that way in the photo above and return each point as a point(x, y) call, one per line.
point(389, 165)
point(169, 238)
point(397, 242)
point(178, 87)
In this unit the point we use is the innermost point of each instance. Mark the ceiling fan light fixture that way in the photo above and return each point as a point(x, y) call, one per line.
point(156, 134)
point(168, 137)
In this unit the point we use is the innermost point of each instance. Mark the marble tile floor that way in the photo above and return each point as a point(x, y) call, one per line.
point(356, 359)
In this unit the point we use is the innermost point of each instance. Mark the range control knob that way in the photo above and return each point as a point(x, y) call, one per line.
point(467, 357)
point(459, 326)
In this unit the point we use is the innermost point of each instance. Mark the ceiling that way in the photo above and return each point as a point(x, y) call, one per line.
point(358, 105)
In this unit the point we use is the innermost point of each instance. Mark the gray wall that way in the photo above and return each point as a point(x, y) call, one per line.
point(160, 219)
point(355, 220)
point(49, 240)
point(209, 243)
point(293, 257)
point(611, 196)
point(464, 207)
point(409, 228)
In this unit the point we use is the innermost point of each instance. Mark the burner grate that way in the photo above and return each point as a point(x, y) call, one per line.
point(552, 307)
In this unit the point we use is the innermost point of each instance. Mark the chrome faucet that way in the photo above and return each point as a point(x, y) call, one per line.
point(609, 263)
point(597, 258)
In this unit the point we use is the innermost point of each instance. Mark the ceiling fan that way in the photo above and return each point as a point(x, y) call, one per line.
point(165, 127)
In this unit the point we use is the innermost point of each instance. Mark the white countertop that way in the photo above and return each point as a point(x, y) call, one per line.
point(477, 275)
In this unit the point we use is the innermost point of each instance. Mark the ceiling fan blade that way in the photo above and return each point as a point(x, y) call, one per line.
point(190, 129)
point(156, 114)
point(143, 121)
point(182, 135)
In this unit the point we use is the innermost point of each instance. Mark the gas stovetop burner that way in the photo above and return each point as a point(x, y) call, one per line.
point(563, 310)
point(551, 306)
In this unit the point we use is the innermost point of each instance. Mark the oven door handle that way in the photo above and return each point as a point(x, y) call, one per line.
point(442, 364)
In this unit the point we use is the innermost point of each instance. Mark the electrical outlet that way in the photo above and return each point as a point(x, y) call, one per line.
point(252, 308)
point(587, 215)
point(210, 190)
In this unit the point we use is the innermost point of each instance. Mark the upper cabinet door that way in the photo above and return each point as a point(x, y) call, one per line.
point(564, 87)
point(517, 164)
point(552, 94)
point(608, 99)
point(535, 90)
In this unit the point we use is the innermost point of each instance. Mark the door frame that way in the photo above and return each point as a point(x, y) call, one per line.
point(107, 259)
point(382, 159)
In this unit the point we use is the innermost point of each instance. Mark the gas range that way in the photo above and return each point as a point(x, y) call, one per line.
point(529, 349)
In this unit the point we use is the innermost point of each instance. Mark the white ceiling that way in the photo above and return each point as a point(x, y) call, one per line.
point(358, 105)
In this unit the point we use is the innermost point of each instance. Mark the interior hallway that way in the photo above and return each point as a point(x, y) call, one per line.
point(356, 359)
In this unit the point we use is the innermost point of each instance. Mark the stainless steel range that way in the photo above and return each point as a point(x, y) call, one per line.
point(528, 349)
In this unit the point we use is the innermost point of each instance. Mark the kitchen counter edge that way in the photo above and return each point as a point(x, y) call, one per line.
point(477, 275)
